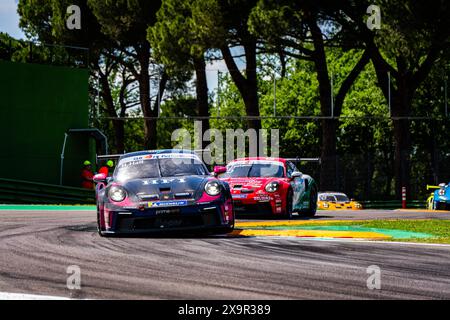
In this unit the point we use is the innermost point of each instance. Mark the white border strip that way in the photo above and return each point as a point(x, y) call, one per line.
point(24, 296)
point(405, 243)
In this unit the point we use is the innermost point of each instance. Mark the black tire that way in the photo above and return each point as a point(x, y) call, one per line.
point(311, 211)
point(289, 205)
point(226, 230)
point(441, 206)
point(99, 230)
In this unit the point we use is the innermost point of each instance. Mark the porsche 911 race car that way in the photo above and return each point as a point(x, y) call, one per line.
point(160, 191)
point(440, 198)
point(273, 186)
point(337, 201)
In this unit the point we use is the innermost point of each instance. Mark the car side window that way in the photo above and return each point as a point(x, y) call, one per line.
point(290, 168)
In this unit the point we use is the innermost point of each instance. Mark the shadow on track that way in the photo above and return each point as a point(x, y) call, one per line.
point(166, 234)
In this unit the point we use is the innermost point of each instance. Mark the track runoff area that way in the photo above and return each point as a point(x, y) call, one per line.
point(54, 252)
point(327, 224)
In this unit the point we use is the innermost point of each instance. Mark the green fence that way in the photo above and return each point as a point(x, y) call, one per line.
point(38, 105)
point(19, 192)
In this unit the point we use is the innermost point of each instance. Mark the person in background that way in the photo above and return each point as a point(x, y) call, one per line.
point(87, 176)
point(105, 169)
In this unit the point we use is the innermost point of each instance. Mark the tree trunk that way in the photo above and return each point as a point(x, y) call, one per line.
point(402, 156)
point(161, 88)
point(247, 86)
point(119, 129)
point(328, 150)
point(328, 155)
point(150, 132)
point(401, 107)
point(118, 125)
point(251, 99)
point(408, 81)
point(202, 97)
point(434, 152)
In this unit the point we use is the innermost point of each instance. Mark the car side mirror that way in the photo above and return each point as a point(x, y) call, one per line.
point(219, 170)
point(296, 174)
point(100, 177)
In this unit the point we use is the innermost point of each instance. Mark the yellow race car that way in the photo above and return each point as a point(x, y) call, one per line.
point(336, 201)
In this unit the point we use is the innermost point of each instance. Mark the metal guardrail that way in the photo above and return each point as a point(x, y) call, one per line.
point(19, 192)
point(393, 204)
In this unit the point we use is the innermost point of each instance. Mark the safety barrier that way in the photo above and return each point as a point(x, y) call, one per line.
point(393, 204)
point(19, 192)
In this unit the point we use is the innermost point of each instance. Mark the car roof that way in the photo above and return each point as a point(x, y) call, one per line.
point(163, 151)
point(260, 158)
point(332, 193)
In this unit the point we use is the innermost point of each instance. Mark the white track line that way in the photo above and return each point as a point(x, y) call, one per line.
point(24, 296)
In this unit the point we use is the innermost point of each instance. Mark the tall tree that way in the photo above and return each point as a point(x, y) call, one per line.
point(223, 25)
point(45, 21)
point(413, 36)
point(127, 21)
point(303, 30)
point(177, 45)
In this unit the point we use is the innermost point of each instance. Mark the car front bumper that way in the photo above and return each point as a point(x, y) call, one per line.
point(208, 216)
point(258, 203)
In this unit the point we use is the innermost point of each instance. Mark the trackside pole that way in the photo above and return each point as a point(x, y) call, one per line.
point(404, 197)
point(62, 159)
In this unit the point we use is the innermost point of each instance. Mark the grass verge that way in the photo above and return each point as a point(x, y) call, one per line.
point(440, 229)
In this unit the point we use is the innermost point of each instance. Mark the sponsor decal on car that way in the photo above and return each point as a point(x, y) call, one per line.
point(250, 162)
point(168, 211)
point(262, 198)
point(139, 159)
point(163, 180)
point(156, 204)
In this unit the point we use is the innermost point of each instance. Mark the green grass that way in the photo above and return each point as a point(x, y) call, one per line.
point(440, 229)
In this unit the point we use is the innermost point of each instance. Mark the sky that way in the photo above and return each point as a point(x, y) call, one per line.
point(9, 19)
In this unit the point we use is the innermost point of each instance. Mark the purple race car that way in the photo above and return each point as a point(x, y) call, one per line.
point(160, 191)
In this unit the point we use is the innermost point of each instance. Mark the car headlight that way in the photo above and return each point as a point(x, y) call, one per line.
point(325, 205)
point(272, 186)
point(212, 188)
point(117, 194)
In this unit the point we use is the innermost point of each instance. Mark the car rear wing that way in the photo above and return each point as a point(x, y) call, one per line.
point(108, 157)
point(298, 159)
point(117, 156)
point(440, 186)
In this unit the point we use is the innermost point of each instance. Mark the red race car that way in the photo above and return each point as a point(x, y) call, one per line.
point(274, 186)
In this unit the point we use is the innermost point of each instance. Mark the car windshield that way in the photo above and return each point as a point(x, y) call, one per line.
point(156, 168)
point(334, 198)
point(341, 198)
point(255, 169)
point(324, 197)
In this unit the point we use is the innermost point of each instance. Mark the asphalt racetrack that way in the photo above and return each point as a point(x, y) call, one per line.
point(37, 247)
